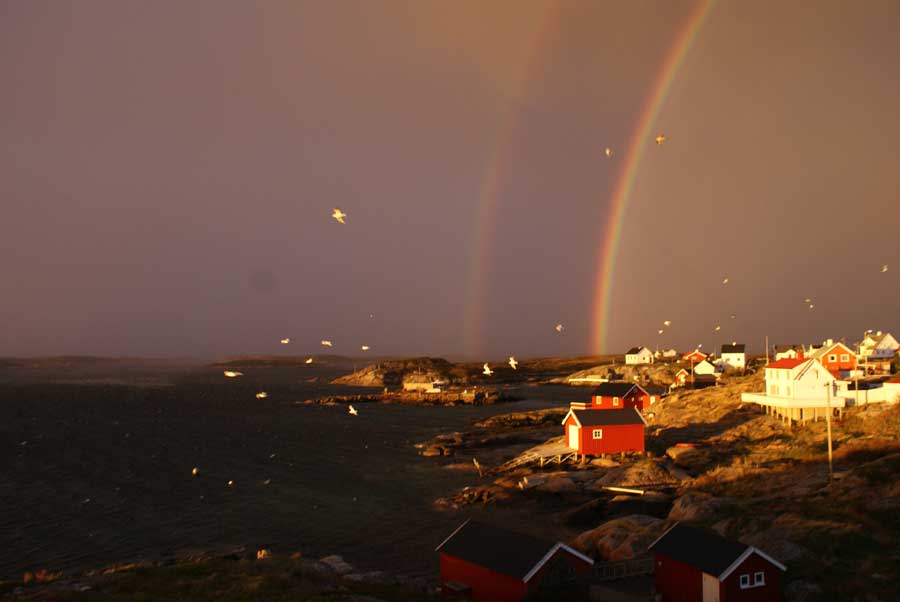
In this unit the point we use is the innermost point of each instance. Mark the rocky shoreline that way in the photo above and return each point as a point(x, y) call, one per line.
point(443, 398)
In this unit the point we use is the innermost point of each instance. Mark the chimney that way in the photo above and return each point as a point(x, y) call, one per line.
point(800, 354)
point(878, 334)
point(829, 342)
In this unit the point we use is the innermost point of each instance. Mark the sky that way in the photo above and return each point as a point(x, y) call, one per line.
point(168, 171)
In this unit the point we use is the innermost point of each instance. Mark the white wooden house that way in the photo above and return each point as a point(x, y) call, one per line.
point(798, 389)
point(788, 352)
point(704, 367)
point(733, 356)
point(638, 355)
point(878, 346)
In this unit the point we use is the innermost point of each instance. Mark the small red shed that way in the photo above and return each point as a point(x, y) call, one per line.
point(682, 376)
point(695, 565)
point(489, 564)
point(604, 432)
point(618, 395)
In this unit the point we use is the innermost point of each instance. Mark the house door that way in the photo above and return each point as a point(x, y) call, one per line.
point(710, 588)
point(573, 437)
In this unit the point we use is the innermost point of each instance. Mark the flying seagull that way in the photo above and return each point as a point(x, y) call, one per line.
point(559, 328)
point(608, 152)
point(660, 331)
point(724, 280)
point(365, 348)
point(660, 139)
point(194, 471)
point(718, 328)
point(285, 340)
point(487, 370)
point(232, 374)
point(352, 411)
point(667, 323)
point(513, 362)
point(262, 395)
point(308, 360)
point(339, 215)
point(325, 343)
point(884, 268)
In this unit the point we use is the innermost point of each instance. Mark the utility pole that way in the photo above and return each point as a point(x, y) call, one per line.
point(828, 427)
point(767, 349)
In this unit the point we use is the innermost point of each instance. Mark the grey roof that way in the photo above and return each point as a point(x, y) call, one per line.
point(782, 348)
point(614, 389)
point(633, 350)
point(699, 548)
point(495, 548)
point(733, 348)
point(608, 417)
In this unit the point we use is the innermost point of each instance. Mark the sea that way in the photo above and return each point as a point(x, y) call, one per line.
point(97, 468)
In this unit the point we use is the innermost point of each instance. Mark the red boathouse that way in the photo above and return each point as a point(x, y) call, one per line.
point(486, 563)
point(695, 565)
point(598, 432)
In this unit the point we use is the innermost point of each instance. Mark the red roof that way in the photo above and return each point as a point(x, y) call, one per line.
point(896, 379)
point(787, 363)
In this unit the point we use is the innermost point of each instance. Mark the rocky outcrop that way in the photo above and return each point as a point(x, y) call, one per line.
point(622, 538)
point(696, 506)
point(393, 373)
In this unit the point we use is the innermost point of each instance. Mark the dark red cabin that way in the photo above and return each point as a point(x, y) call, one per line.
point(485, 563)
point(695, 565)
point(604, 432)
point(618, 395)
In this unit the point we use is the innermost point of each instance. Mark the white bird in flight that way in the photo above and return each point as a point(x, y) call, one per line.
point(365, 348)
point(884, 268)
point(325, 343)
point(308, 360)
point(807, 300)
point(352, 411)
point(724, 280)
point(608, 152)
point(513, 363)
point(660, 331)
point(285, 340)
point(667, 323)
point(194, 471)
point(812, 306)
point(559, 328)
point(487, 370)
point(262, 395)
point(230, 483)
point(660, 139)
point(339, 215)
point(232, 374)
point(718, 328)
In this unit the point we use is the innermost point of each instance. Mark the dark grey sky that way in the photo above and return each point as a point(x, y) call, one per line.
point(167, 172)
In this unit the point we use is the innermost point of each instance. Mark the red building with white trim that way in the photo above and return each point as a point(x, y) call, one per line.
point(695, 357)
point(695, 565)
point(604, 432)
point(486, 563)
point(837, 358)
point(619, 395)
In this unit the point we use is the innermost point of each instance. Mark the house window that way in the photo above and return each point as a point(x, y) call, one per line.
point(759, 578)
point(772, 390)
point(615, 401)
point(845, 357)
point(788, 394)
point(745, 581)
point(832, 357)
point(598, 434)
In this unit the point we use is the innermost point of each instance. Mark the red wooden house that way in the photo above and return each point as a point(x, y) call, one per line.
point(682, 377)
point(836, 357)
point(485, 563)
point(618, 395)
point(695, 357)
point(605, 432)
point(695, 565)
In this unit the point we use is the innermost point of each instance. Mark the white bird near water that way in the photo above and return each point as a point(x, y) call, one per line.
point(513, 363)
point(339, 215)
point(262, 395)
point(660, 139)
point(352, 411)
point(232, 374)
point(326, 343)
point(365, 348)
point(285, 340)
point(487, 370)
point(667, 323)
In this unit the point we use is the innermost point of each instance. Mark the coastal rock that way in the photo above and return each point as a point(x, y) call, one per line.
point(637, 474)
point(558, 484)
point(622, 538)
point(395, 372)
point(693, 507)
point(337, 564)
point(802, 591)
point(688, 457)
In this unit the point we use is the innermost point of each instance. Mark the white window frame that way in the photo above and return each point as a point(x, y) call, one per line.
point(745, 581)
point(615, 401)
point(845, 357)
point(597, 434)
point(759, 578)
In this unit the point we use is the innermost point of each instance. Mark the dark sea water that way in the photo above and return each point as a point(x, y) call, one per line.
point(100, 473)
